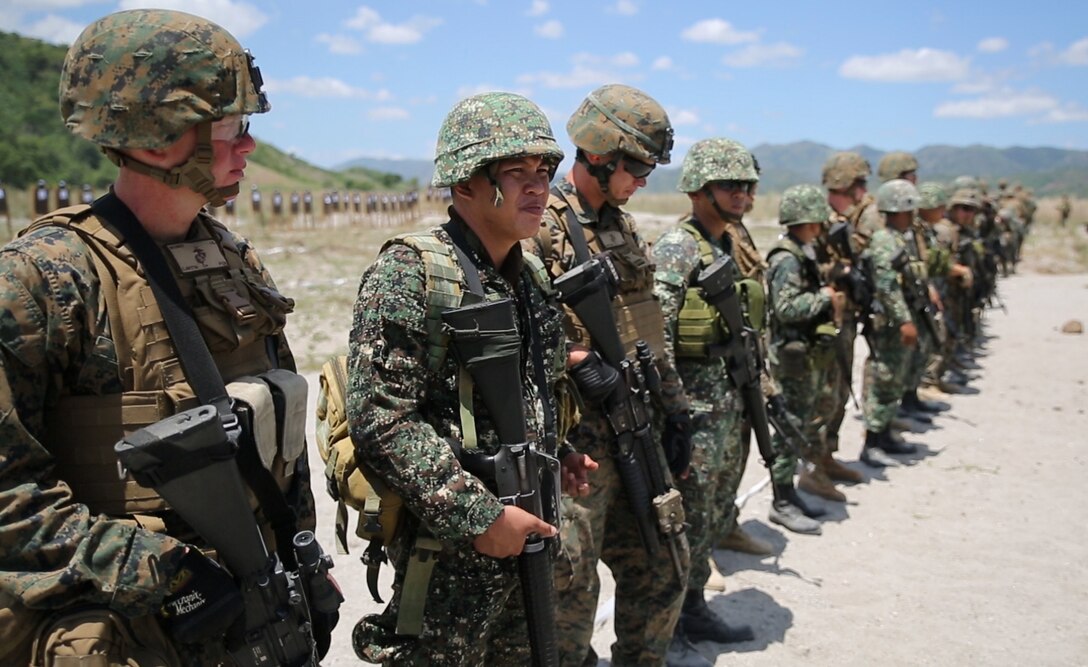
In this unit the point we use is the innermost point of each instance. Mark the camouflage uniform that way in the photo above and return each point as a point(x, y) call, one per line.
point(404, 408)
point(72, 539)
point(600, 527)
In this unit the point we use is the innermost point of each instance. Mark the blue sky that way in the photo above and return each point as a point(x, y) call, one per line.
point(376, 79)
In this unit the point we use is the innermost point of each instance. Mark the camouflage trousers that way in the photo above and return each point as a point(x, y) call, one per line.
point(802, 392)
point(833, 392)
point(710, 491)
point(920, 359)
point(601, 527)
point(885, 379)
point(474, 615)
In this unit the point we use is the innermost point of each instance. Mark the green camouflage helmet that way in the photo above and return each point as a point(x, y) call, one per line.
point(802, 204)
point(969, 197)
point(621, 118)
point(965, 182)
point(896, 196)
point(895, 164)
point(142, 78)
point(710, 160)
point(842, 169)
point(489, 127)
point(932, 194)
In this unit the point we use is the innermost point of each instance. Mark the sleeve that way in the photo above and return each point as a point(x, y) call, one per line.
point(888, 287)
point(53, 551)
point(387, 403)
point(674, 265)
point(793, 305)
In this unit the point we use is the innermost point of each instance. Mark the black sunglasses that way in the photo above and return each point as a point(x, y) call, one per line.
point(637, 168)
point(747, 187)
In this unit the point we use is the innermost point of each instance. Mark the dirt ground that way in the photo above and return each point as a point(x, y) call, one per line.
point(973, 552)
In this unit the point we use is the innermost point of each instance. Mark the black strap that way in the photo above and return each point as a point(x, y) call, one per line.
point(551, 437)
point(462, 249)
point(199, 366)
point(577, 236)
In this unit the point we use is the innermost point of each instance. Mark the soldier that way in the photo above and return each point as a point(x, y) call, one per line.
point(898, 164)
point(886, 366)
point(64, 196)
point(293, 204)
point(805, 317)
point(621, 135)
point(277, 205)
point(86, 196)
point(4, 208)
point(255, 203)
point(41, 198)
point(91, 564)
point(965, 205)
point(497, 153)
point(1065, 207)
point(308, 208)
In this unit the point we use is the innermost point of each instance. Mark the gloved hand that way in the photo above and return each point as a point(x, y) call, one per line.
point(676, 441)
point(203, 600)
point(594, 378)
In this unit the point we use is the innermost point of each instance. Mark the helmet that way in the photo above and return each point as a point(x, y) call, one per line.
point(717, 159)
point(141, 78)
point(895, 164)
point(62, 183)
point(931, 195)
point(621, 118)
point(965, 182)
point(488, 127)
point(801, 204)
point(41, 182)
point(896, 196)
point(842, 169)
point(966, 197)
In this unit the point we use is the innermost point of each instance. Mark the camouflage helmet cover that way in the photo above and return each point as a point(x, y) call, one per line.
point(616, 117)
point(842, 169)
point(965, 182)
point(718, 159)
point(142, 78)
point(895, 164)
point(932, 195)
point(802, 204)
point(488, 127)
point(968, 197)
point(896, 196)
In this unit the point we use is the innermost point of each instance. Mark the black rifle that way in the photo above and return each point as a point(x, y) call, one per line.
point(485, 341)
point(189, 460)
point(744, 361)
point(916, 293)
point(657, 508)
point(858, 283)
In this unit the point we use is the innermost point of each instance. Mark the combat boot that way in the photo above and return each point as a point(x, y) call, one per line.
point(838, 472)
point(915, 403)
point(701, 624)
point(818, 483)
point(789, 515)
point(739, 540)
point(916, 415)
point(682, 654)
point(894, 444)
point(873, 455)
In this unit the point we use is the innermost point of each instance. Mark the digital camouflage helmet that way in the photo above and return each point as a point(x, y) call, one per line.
point(965, 182)
point(842, 169)
point(896, 196)
point(489, 127)
point(932, 195)
point(893, 165)
point(967, 197)
point(710, 160)
point(141, 79)
point(803, 204)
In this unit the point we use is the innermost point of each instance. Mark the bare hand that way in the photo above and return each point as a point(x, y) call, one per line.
point(908, 334)
point(577, 353)
point(575, 474)
point(506, 536)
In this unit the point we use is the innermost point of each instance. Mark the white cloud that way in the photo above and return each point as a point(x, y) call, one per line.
point(718, 31)
point(580, 76)
point(325, 86)
point(993, 45)
point(1076, 54)
point(908, 65)
point(1041, 50)
point(240, 18)
point(339, 44)
point(538, 8)
point(683, 116)
point(622, 59)
point(754, 55)
point(624, 7)
point(1069, 113)
point(549, 29)
point(661, 64)
point(978, 87)
point(375, 29)
point(998, 105)
point(41, 5)
point(387, 113)
point(54, 29)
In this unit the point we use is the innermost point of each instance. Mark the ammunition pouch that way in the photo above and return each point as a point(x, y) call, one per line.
point(825, 346)
point(93, 636)
point(793, 359)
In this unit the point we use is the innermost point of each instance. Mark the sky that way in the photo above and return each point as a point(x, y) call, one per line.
point(349, 80)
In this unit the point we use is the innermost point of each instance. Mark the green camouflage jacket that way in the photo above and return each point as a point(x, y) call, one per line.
point(885, 243)
point(796, 303)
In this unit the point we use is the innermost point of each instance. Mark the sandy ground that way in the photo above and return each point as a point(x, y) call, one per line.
point(973, 553)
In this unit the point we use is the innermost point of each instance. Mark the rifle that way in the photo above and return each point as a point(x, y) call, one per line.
point(189, 460)
point(657, 508)
point(916, 293)
point(485, 341)
point(858, 283)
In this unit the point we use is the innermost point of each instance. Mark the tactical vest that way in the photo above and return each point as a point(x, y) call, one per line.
point(811, 272)
point(635, 308)
point(700, 330)
point(237, 312)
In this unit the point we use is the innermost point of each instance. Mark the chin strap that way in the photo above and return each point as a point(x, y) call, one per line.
point(602, 172)
point(195, 173)
point(722, 213)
